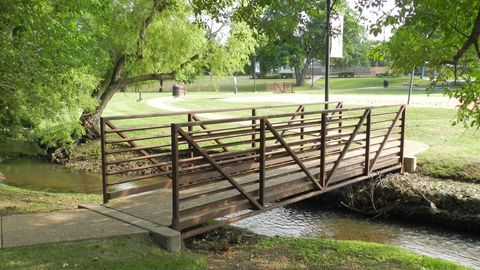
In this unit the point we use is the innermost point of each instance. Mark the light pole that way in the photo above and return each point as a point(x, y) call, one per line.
point(254, 71)
point(327, 53)
point(235, 86)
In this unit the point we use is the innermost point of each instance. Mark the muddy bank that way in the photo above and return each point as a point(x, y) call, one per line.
point(414, 197)
point(87, 158)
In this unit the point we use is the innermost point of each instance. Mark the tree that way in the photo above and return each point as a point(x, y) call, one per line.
point(443, 35)
point(64, 61)
point(295, 33)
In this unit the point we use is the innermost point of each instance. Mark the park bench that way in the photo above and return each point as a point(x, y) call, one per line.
point(277, 88)
point(350, 74)
point(183, 89)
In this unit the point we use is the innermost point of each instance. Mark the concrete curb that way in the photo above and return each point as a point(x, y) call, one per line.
point(167, 238)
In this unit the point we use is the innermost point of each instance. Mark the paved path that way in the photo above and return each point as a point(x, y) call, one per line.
point(60, 226)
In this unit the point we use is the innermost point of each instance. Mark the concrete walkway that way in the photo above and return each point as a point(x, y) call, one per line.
point(61, 226)
point(91, 223)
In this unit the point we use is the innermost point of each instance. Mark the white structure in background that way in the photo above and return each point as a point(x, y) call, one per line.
point(257, 67)
point(336, 48)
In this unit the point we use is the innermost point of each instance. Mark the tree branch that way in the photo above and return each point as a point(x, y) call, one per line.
point(146, 77)
point(472, 39)
point(477, 48)
point(143, 31)
point(154, 76)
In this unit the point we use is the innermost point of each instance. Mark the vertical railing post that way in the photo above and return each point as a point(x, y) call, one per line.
point(254, 122)
point(302, 128)
point(340, 124)
point(323, 149)
point(104, 160)
point(190, 129)
point(367, 142)
point(175, 177)
point(261, 160)
point(402, 137)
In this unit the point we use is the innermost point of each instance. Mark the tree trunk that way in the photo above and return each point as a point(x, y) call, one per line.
point(160, 89)
point(299, 77)
point(91, 120)
point(300, 74)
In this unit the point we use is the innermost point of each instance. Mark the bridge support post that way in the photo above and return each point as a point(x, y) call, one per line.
point(367, 142)
point(402, 143)
point(104, 160)
point(254, 122)
point(175, 176)
point(261, 160)
point(323, 148)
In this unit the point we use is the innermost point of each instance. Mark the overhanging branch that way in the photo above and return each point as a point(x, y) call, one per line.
point(146, 77)
point(471, 40)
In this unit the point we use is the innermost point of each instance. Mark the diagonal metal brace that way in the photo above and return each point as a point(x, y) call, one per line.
point(292, 154)
point(349, 142)
point(218, 168)
point(387, 136)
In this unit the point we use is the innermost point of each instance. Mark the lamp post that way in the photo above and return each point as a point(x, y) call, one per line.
point(327, 53)
point(235, 86)
point(254, 71)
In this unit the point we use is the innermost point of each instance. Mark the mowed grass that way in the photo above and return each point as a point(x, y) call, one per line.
point(139, 252)
point(454, 150)
point(15, 200)
point(133, 252)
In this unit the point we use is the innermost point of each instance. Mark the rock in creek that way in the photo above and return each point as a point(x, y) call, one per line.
point(3, 179)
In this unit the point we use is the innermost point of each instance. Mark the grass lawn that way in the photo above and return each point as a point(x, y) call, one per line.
point(15, 200)
point(133, 252)
point(139, 252)
point(454, 151)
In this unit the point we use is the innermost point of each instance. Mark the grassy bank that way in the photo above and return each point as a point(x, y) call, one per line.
point(15, 200)
point(453, 152)
point(139, 252)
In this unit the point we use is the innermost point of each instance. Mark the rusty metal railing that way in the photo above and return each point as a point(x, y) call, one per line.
point(136, 149)
point(274, 160)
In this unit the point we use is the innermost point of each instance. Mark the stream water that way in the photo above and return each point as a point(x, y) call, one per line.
point(25, 170)
point(307, 220)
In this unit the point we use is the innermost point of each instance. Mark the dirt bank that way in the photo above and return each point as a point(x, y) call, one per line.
point(442, 202)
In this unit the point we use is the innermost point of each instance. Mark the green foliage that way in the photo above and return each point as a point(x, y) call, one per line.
point(47, 60)
point(59, 58)
point(440, 35)
point(293, 34)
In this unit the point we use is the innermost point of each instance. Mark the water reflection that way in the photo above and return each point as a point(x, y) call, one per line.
point(303, 219)
point(31, 172)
